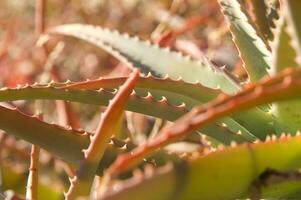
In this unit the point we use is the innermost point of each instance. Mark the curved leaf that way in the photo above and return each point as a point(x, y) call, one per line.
point(80, 184)
point(260, 11)
point(285, 86)
point(151, 83)
point(285, 56)
point(292, 12)
point(253, 51)
point(148, 105)
point(143, 54)
point(232, 170)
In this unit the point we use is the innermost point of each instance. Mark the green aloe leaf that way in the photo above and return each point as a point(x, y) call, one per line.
point(284, 86)
point(192, 179)
point(292, 12)
point(151, 57)
point(285, 56)
point(148, 105)
point(59, 141)
point(157, 86)
point(285, 188)
point(192, 95)
point(273, 14)
point(252, 49)
point(63, 142)
point(161, 59)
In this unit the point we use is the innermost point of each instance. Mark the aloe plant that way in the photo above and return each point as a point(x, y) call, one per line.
point(241, 137)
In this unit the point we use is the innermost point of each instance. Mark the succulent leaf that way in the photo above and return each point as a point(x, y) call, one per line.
point(80, 184)
point(148, 105)
point(102, 37)
point(285, 56)
point(249, 120)
point(143, 54)
point(273, 14)
point(150, 82)
point(284, 86)
point(253, 51)
point(252, 160)
point(158, 106)
point(60, 141)
point(63, 142)
point(292, 12)
point(260, 11)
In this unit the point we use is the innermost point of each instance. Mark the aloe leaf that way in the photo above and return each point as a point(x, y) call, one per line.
point(148, 105)
point(149, 82)
point(101, 36)
point(68, 144)
point(273, 14)
point(177, 92)
point(192, 95)
point(260, 10)
point(59, 141)
point(285, 86)
point(143, 54)
point(285, 56)
point(285, 188)
point(193, 180)
point(252, 160)
point(252, 49)
point(292, 12)
point(80, 184)
point(163, 109)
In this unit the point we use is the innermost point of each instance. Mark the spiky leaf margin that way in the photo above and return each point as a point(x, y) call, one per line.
point(284, 56)
point(252, 49)
point(284, 86)
point(233, 170)
point(148, 105)
point(151, 57)
point(292, 12)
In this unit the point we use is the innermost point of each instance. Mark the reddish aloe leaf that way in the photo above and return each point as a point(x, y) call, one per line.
point(285, 86)
point(82, 182)
point(195, 91)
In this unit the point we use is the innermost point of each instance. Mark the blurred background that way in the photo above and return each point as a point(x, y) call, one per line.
point(27, 55)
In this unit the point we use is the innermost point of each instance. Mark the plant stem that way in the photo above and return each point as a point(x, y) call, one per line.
point(32, 181)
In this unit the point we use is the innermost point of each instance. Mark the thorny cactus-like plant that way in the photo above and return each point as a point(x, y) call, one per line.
point(240, 138)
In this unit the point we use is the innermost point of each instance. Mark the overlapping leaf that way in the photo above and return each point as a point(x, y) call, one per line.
point(284, 86)
point(253, 51)
point(151, 57)
point(80, 184)
point(292, 12)
point(260, 11)
point(234, 171)
point(148, 105)
point(285, 56)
